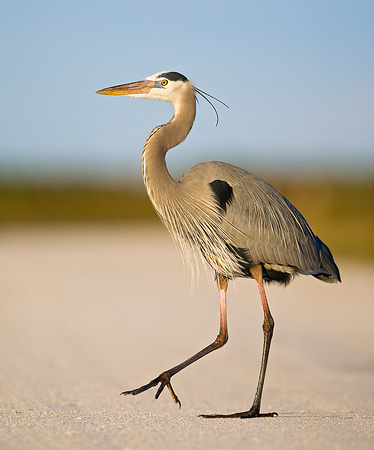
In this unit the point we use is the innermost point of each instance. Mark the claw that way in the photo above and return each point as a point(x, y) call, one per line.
point(164, 380)
point(174, 395)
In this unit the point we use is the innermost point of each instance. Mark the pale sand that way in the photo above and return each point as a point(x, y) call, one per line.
point(87, 312)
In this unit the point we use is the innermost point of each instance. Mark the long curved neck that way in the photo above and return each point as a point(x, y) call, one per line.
point(157, 179)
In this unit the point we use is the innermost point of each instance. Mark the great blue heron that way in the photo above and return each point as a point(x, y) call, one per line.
point(242, 226)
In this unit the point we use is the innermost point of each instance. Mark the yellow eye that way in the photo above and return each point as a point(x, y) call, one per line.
point(164, 82)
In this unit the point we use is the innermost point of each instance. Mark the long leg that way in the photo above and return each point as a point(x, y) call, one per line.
point(268, 327)
point(164, 378)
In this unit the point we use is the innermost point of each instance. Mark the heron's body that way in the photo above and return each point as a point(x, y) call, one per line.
point(241, 225)
point(255, 225)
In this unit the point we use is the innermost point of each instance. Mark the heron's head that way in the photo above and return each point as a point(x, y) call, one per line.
point(167, 86)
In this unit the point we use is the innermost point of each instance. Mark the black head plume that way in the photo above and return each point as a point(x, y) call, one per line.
point(205, 96)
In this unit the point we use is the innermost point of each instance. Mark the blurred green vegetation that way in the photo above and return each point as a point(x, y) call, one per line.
point(42, 203)
point(340, 212)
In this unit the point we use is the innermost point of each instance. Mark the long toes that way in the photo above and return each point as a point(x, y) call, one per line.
point(174, 395)
point(271, 414)
point(240, 415)
point(160, 389)
point(126, 393)
point(219, 416)
point(133, 392)
point(164, 380)
point(141, 389)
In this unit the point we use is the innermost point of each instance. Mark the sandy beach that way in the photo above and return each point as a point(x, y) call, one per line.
point(89, 311)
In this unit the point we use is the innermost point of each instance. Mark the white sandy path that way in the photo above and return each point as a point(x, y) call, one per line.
point(89, 311)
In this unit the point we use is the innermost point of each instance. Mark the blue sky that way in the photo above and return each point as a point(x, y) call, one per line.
point(298, 77)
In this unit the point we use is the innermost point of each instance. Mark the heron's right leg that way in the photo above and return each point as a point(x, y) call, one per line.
point(164, 378)
point(268, 327)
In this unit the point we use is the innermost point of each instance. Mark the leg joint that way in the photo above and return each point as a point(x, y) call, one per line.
point(268, 325)
point(221, 340)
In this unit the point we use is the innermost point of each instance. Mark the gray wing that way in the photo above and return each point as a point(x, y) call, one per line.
point(269, 226)
point(262, 221)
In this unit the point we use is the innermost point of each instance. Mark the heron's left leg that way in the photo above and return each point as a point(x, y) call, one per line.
point(164, 378)
point(268, 327)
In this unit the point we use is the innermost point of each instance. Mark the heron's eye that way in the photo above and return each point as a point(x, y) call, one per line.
point(164, 82)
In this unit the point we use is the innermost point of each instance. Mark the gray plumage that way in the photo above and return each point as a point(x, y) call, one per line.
point(259, 226)
point(238, 223)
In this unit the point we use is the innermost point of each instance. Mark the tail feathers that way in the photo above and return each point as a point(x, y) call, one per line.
point(330, 272)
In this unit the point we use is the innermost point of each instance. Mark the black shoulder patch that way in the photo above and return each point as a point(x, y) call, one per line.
point(222, 191)
point(173, 76)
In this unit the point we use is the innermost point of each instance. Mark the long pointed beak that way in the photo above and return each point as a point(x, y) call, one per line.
point(138, 87)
